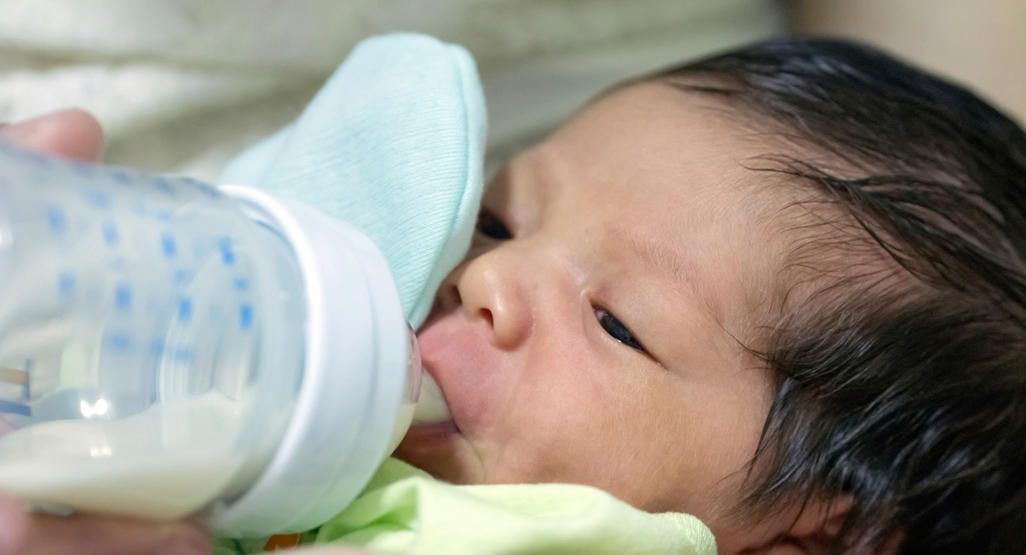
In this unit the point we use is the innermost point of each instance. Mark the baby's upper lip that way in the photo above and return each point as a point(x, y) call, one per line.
point(437, 359)
point(456, 352)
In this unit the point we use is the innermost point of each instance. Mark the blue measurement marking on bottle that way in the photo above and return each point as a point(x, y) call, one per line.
point(110, 234)
point(56, 219)
point(65, 285)
point(97, 199)
point(121, 176)
point(245, 316)
point(200, 187)
point(181, 276)
point(123, 297)
point(184, 355)
point(240, 284)
point(11, 407)
point(164, 186)
point(185, 309)
point(167, 245)
point(224, 245)
point(82, 169)
point(156, 347)
point(119, 341)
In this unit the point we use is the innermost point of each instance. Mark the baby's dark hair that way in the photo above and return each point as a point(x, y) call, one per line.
point(899, 342)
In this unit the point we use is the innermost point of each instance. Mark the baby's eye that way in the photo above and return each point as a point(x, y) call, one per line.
point(492, 227)
point(617, 330)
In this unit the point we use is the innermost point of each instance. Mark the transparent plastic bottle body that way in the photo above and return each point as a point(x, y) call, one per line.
point(137, 374)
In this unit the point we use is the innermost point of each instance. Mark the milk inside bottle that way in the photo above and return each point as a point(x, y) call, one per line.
point(170, 348)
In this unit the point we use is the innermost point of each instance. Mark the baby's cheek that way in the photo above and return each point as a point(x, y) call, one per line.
point(579, 432)
point(548, 431)
point(543, 446)
point(722, 425)
point(631, 432)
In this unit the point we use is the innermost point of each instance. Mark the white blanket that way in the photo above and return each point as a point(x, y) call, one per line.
point(183, 85)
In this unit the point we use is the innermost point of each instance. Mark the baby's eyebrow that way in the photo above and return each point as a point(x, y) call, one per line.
point(674, 264)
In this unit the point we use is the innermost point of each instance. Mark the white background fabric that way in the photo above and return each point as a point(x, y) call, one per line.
point(182, 85)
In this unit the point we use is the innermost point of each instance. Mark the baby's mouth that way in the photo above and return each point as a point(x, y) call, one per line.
point(426, 439)
point(432, 407)
point(433, 422)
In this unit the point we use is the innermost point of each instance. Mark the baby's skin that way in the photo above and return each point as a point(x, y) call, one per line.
point(595, 332)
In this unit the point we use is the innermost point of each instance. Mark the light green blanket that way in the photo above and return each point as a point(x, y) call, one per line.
point(405, 511)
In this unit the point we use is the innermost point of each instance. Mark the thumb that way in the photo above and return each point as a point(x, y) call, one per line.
point(70, 133)
point(26, 533)
point(14, 525)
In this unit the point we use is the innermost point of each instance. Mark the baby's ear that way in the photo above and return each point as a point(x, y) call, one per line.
point(814, 532)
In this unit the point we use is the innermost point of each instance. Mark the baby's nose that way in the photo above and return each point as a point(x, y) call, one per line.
point(487, 288)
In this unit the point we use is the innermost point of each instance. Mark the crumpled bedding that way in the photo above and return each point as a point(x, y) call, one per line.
point(183, 86)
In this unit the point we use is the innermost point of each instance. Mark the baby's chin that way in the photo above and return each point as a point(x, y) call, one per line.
point(441, 451)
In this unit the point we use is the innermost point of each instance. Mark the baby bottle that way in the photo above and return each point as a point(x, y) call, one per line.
point(169, 348)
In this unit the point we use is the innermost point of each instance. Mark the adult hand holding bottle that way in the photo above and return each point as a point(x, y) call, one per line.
point(76, 135)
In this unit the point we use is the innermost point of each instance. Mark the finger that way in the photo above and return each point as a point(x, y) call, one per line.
point(23, 533)
point(14, 525)
point(90, 535)
point(69, 133)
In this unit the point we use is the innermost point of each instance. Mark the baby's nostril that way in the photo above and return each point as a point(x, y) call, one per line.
point(486, 315)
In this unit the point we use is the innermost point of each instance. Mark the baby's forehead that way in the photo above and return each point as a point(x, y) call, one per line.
point(663, 112)
point(660, 182)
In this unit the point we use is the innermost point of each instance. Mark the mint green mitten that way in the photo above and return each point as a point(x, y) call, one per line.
point(393, 144)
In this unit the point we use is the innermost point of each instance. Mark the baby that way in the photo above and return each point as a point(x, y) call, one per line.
point(782, 289)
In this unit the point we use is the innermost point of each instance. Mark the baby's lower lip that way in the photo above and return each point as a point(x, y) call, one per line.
point(423, 437)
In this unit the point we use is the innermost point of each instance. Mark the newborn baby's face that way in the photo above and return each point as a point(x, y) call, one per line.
point(589, 336)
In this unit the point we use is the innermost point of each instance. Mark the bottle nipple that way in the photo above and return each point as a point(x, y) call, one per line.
point(424, 402)
point(431, 406)
point(430, 401)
